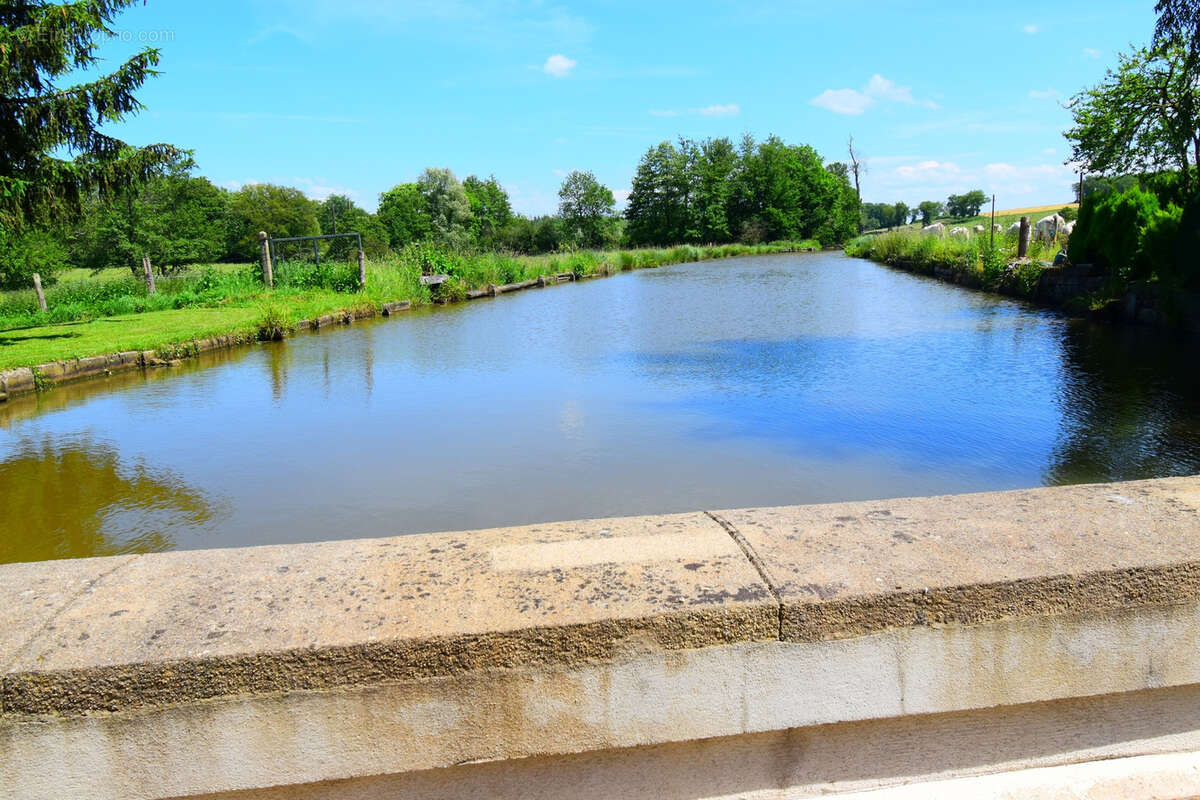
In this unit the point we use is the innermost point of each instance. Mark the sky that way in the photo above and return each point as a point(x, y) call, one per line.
point(355, 96)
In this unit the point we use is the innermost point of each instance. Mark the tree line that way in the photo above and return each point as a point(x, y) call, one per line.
point(892, 215)
point(762, 192)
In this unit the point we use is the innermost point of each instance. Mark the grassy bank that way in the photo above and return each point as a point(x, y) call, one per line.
point(92, 315)
point(974, 262)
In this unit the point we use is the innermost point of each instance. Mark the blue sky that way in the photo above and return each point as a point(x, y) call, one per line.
point(354, 96)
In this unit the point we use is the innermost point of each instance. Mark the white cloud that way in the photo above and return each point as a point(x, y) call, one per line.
point(1032, 29)
point(1091, 52)
point(1049, 151)
point(559, 65)
point(1043, 94)
point(1014, 185)
point(621, 196)
point(728, 110)
point(878, 90)
point(843, 101)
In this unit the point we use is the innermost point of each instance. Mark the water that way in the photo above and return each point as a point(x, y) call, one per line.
point(758, 381)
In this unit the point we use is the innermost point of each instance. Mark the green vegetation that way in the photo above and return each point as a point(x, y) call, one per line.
point(90, 317)
point(710, 191)
point(41, 43)
point(975, 260)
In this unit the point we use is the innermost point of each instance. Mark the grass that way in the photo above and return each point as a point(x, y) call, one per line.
point(1004, 218)
point(111, 312)
point(976, 260)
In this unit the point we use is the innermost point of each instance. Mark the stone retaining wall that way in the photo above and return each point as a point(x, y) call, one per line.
point(1046, 638)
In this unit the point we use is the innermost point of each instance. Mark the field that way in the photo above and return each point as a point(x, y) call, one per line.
point(1004, 217)
point(93, 314)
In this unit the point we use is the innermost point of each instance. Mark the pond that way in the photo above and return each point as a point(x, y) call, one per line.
point(757, 381)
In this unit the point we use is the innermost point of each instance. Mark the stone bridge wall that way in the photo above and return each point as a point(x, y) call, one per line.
point(1017, 644)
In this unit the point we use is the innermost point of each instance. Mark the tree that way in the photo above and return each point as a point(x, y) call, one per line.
point(448, 207)
point(856, 168)
point(586, 207)
point(490, 209)
point(930, 210)
point(901, 213)
point(404, 215)
point(1144, 116)
point(1178, 20)
point(279, 210)
point(27, 252)
point(41, 124)
point(339, 214)
point(175, 219)
point(966, 205)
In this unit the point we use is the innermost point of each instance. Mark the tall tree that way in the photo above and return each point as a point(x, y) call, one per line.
point(448, 207)
point(1178, 20)
point(930, 210)
point(586, 208)
point(856, 169)
point(490, 209)
point(279, 210)
point(174, 219)
point(404, 215)
point(52, 153)
point(1144, 116)
point(966, 205)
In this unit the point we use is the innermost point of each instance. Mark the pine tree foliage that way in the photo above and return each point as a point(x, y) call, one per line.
point(52, 151)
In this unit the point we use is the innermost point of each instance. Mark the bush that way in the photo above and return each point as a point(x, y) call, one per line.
point(1187, 245)
point(1068, 213)
point(1110, 230)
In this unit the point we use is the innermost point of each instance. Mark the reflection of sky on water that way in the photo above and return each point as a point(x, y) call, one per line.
point(745, 382)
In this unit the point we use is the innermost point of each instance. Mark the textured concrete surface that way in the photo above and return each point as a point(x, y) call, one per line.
point(203, 672)
point(852, 568)
point(1046, 741)
point(182, 626)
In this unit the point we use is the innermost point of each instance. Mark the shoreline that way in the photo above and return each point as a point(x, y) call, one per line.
point(18, 381)
point(1067, 289)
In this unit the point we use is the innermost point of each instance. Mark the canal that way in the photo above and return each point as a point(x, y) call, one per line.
point(758, 381)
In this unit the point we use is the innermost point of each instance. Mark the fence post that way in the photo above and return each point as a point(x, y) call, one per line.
point(265, 245)
point(149, 273)
point(37, 287)
point(1023, 238)
point(362, 270)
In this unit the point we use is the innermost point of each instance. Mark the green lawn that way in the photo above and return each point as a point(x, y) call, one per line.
point(107, 313)
point(38, 345)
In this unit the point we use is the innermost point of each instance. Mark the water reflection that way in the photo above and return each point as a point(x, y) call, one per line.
point(79, 500)
point(751, 382)
point(1130, 406)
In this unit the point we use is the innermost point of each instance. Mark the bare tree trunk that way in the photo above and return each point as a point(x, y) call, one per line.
point(148, 273)
point(37, 288)
point(1023, 238)
point(856, 168)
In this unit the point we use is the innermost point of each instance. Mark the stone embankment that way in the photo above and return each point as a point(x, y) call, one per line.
point(1016, 644)
point(1070, 287)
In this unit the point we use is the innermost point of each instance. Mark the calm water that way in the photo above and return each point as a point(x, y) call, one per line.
point(778, 380)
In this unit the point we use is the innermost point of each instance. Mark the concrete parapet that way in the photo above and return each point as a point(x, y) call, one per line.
point(741, 653)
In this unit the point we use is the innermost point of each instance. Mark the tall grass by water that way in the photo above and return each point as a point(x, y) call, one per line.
point(231, 298)
point(976, 260)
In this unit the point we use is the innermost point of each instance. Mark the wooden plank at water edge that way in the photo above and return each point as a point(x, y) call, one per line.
point(434, 280)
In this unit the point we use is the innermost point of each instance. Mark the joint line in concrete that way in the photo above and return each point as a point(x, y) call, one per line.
point(755, 560)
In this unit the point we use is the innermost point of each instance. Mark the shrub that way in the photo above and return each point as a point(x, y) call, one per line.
point(1110, 229)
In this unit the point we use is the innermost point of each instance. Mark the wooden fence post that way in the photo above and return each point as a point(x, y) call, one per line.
point(362, 271)
point(265, 244)
point(37, 287)
point(149, 273)
point(1023, 238)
